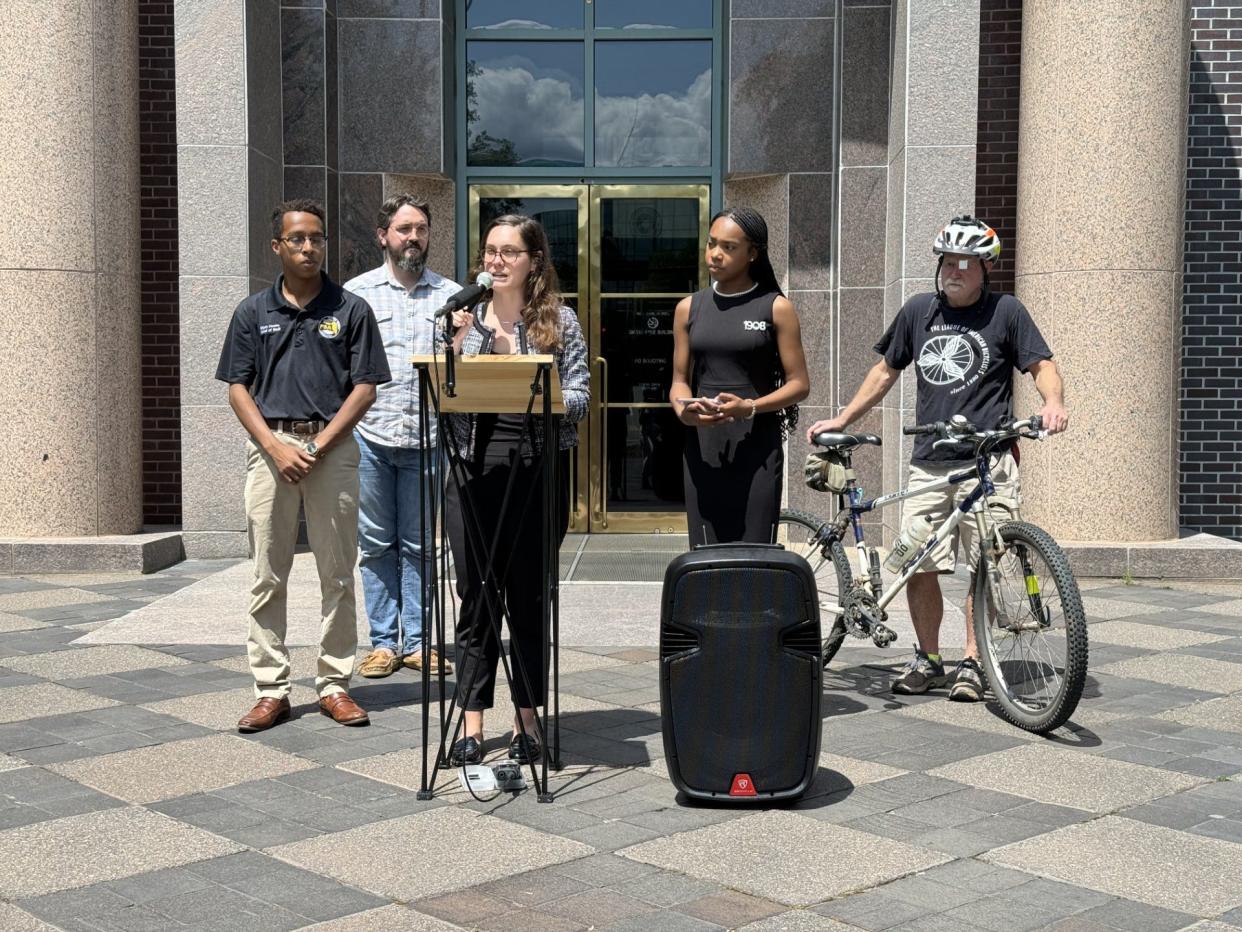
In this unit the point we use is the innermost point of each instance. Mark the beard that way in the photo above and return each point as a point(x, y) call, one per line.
point(412, 259)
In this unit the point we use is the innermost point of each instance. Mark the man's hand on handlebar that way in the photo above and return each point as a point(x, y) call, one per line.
point(959, 430)
point(1055, 417)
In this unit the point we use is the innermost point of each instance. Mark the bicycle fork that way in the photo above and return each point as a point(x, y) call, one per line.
point(1041, 615)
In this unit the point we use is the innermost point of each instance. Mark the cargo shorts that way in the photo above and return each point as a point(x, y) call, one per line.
point(935, 505)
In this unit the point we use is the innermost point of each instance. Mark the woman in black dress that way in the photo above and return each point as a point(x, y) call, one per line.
point(738, 374)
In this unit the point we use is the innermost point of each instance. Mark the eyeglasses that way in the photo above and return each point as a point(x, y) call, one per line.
point(420, 231)
point(297, 241)
point(507, 253)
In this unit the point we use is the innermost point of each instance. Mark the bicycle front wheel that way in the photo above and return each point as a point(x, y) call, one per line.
point(806, 535)
point(1030, 627)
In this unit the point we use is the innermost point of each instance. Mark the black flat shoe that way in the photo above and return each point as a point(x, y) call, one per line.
point(524, 749)
point(466, 751)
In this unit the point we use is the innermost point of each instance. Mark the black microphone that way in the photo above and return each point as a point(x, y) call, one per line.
point(468, 296)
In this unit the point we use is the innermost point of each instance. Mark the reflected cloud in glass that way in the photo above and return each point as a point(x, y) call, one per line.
point(653, 104)
point(526, 14)
point(524, 103)
point(653, 14)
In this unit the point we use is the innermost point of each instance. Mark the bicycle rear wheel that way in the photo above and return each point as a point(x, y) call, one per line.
point(804, 534)
point(1030, 627)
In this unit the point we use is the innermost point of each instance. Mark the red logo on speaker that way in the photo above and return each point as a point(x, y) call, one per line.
point(743, 785)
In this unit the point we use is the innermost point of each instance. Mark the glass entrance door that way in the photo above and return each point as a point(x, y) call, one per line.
point(625, 255)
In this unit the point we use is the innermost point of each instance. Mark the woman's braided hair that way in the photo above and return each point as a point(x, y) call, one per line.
point(755, 228)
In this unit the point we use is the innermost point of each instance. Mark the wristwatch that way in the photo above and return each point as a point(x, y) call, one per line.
point(313, 449)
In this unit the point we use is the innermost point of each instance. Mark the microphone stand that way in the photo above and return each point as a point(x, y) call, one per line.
point(450, 373)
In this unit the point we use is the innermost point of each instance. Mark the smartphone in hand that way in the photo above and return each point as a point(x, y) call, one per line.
point(707, 402)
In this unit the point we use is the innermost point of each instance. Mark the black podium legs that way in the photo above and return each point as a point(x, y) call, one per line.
point(505, 520)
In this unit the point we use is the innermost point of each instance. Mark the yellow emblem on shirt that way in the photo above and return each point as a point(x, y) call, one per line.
point(329, 327)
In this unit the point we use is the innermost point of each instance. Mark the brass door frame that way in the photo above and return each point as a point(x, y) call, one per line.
point(642, 522)
point(578, 514)
point(590, 504)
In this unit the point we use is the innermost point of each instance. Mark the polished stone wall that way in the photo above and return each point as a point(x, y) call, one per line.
point(1108, 304)
point(775, 46)
point(310, 115)
point(69, 263)
point(394, 59)
point(815, 163)
point(230, 175)
point(339, 100)
point(931, 177)
point(365, 110)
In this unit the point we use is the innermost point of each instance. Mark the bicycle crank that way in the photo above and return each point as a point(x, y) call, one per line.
point(864, 618)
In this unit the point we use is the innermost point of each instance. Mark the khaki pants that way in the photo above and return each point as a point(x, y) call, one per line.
point(329, 495)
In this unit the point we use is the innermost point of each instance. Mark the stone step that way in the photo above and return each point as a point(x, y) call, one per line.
point(120, 553)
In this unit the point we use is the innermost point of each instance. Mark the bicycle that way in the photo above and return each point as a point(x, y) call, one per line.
point(1031, 631)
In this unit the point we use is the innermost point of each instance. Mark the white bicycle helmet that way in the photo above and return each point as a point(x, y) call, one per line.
point(966, 236)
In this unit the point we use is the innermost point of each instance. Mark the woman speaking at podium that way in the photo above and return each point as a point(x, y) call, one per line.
point(523, 315)
point(738, 374)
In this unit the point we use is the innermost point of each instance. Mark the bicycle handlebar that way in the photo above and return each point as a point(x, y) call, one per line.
point(959, 430)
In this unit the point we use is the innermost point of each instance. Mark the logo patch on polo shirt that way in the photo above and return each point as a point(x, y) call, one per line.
point(329, 327)
point(269, 328)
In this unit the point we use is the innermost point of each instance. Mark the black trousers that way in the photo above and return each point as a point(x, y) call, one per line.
point(483, 483)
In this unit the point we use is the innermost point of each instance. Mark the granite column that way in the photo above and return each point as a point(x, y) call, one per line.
point(69, 270)
point(1100, 195)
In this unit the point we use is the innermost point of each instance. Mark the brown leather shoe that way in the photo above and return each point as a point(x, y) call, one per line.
point(266, 713)
point(343, 710)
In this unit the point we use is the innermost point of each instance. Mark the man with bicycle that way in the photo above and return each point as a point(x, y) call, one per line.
point(966, 341)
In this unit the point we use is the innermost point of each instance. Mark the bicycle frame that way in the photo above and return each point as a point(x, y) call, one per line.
point(975, 503)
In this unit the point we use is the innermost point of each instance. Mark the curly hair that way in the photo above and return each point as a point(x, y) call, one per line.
point(542, 313)
point(301, 205)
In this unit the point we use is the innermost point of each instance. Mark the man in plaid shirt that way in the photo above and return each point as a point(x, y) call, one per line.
point(405, 295)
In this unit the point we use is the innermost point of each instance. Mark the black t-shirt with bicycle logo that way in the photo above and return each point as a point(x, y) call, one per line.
point(965, 358)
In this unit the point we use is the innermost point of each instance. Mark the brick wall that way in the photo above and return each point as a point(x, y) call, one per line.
point(161, 383)
point(1211, 377)
point(996, 158)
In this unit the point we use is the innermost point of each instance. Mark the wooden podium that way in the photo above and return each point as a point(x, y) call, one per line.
point(491, 384)
point(472, 385)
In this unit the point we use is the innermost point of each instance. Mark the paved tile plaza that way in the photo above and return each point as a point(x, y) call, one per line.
point(128, 801)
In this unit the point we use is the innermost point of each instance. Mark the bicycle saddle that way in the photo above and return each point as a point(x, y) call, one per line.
point(833, 441)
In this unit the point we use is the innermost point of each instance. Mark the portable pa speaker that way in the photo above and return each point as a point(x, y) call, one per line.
point(740, 675)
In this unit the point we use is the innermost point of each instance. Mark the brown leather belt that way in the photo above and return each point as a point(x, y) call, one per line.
point(291, 426)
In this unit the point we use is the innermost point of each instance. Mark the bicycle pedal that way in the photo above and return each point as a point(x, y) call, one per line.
point(883, 635)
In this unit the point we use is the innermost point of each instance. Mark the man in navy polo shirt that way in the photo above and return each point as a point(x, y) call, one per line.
point(302, 360)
